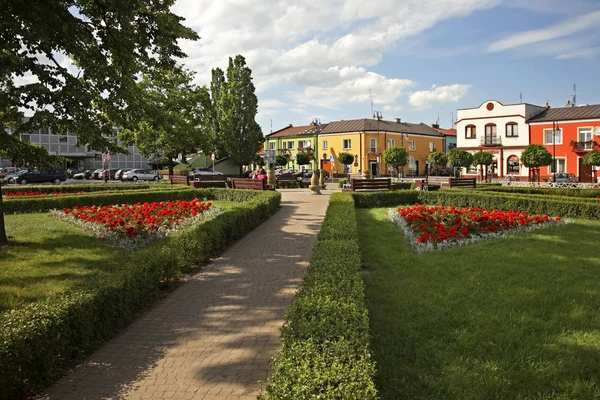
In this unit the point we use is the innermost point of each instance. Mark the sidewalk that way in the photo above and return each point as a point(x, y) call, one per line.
point(213, 337)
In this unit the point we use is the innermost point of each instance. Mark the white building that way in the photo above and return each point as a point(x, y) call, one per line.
point(498, 129)
point(67, 146)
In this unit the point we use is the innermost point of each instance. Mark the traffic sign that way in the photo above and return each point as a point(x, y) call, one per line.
point(332, 158)
point(270, 156)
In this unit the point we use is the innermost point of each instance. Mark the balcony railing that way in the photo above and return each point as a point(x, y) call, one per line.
point(491, 140)
point(583, 146)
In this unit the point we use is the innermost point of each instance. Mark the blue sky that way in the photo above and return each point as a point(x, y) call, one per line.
point(420, 58)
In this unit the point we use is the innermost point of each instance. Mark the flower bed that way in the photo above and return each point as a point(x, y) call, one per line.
point(434, 228)
point(135, 225)
point(32, 193)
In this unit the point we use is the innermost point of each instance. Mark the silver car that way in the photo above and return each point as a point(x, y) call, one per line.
point(140, 174)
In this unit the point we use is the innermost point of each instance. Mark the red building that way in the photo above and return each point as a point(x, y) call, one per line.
point(574, 137)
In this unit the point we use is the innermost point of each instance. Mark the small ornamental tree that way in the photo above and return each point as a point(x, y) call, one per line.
point(482, 159)
point(460, 158)
point(260, 161)
point(438, 159)
point(281, 160)
point(345, 158)
point(592, 158)
point(302, 159)
point(396, 157)
point(536, 156)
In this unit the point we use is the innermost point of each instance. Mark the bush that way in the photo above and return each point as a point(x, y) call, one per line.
point(39, 341)
point(76, 188)
point(325, 352)
point(584, 193)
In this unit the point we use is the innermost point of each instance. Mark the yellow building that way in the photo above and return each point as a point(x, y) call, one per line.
point(367, 139)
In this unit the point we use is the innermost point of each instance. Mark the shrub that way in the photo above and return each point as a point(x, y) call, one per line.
point(76, 188)
point(39, 341)
point(325, 352)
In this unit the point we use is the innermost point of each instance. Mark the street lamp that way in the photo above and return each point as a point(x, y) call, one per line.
point(554, 128)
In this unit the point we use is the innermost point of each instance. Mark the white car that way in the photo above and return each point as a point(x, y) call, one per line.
point(140, 174)
point(204, 171)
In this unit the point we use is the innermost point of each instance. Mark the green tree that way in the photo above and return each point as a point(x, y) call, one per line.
point(438, 159)
point(241, 134)
point(302, 159)
point(482, 159)
point(109, 46)
point(396, 157)
point(592, 158)
point(213, 115)
point(171, 114)
point(345, 158)
point(460, 158)
point(282, 160)
point(535, 156)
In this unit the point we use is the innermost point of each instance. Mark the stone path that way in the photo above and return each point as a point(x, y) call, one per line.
point(213, 337)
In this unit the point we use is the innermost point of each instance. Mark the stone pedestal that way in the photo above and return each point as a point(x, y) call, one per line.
point(322, 179)
point(314, 185)
point(271, 178)
point(367, 175)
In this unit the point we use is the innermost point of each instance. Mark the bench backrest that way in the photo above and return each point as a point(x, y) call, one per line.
point(253, 184)
point(371, 184)
point(463, 182)
point(179, 179)
point(210, 177)
point(286, 177)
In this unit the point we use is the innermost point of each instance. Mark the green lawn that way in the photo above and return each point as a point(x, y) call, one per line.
point(516, 318)
point(46, 257)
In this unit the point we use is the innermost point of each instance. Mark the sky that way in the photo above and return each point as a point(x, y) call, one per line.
point(418, 60)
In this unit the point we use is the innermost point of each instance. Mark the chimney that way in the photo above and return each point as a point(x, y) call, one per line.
point(435, 126)
point(569, 104)
point(547, 106)
point(397, 120)
point(290, 125)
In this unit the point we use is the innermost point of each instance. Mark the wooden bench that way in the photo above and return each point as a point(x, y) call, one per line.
point(441, 181)
point(368, 185)
point(250, 184)
point(288, 178)
point(198, 180)
point(179, 180)
point(463, 182)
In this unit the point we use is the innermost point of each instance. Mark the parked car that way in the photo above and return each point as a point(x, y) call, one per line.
point(7, 172)
point(82, 175)
point(119, 174)
point(564, 177)
point(140, 174)
point(97, 174)
point(204, 171)
point(307, 174)
point(36, 176)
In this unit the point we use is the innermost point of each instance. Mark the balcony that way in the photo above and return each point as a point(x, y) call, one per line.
point(488, 140)
point(373, 151)
point(583, 147)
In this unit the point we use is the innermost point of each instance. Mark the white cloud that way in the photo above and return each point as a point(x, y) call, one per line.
point(438, 95)
point(563, 29)
point(583, 53)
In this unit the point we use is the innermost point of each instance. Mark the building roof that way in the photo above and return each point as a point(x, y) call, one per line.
point(567, 114)
point(447, 132)
point(373, 125)
point(291, 130)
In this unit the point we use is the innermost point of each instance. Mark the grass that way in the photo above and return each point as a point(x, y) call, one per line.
point(46, 257)
point(516, 318)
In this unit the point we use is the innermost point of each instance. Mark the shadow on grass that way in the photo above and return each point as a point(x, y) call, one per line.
point(509, 318)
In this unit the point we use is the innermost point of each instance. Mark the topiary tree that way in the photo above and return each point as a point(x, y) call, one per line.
point(460, 158)
point(592, 158)
point(282, 160)
point(535, 156)
point(345, 158)
point(302, 159)
point(482, 159)
point(438, 159)
point(396, 157)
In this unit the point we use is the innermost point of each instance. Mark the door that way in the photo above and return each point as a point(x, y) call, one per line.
point(585, 172)
point(326, 165)
point(416, 168)
point(374, 168)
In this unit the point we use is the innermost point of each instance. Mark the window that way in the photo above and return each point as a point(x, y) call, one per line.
point(44, 131)
point(347, 144)
point(373, 145)
point(62, 139)
point(512, 129)
point(470, 132)
point(548, 139)
point(290, 144)
point(391, 143)
point(25, 137)
point(432, 147)
point(512, 164)
point(412, 145)
point(325, 145)
point(561, 164)
point(271, 145)
point(585, 134)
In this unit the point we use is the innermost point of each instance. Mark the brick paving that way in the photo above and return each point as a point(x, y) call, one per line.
point(213, 337)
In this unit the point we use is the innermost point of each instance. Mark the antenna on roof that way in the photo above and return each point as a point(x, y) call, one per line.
point(316, 121)
point(520, 97)
point(371, 94)
point(271, 125)
point(574, 94)
point(438, 119)
point(452, 120)
point(377, 115)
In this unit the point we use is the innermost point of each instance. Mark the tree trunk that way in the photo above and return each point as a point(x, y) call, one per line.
point(170, 166)
point(241, 170)
point(3, 238)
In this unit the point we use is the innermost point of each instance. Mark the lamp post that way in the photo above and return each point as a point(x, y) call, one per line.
point(554, 126)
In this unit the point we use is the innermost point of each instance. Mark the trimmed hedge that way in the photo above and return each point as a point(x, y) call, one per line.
point(569, 192)
point(395, 185)
point(99, 187)
point(325, 352)
point(39, 341)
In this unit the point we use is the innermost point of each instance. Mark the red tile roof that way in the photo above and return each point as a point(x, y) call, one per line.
point(291, 130)
point(447, 132)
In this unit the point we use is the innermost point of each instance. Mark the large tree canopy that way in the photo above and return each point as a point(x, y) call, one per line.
point(396, 157)
point(536, 155)
point(74, 65)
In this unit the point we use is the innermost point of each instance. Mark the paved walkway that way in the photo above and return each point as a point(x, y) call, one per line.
point(213, 337)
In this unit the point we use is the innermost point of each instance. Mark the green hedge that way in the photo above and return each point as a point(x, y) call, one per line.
point(40, 341)
point(325, 352)
point(569, 192)
point(99, 187)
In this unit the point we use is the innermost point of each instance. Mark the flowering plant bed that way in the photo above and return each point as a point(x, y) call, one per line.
point(32, 193)
point(435, 228)
point(131, 226)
